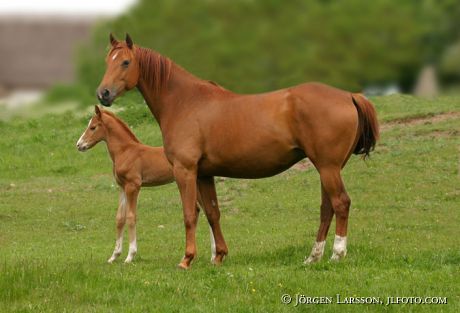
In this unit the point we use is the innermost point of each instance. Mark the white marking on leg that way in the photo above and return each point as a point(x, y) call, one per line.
point(123, 202)
point(316, 252)
point(119, 242)
point(213, 245)
point(117, 250)
point(119, 245)
point(340, 248)
point(132, 250)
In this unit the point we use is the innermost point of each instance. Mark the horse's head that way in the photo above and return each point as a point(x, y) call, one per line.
point(122, 72)
point(95, 132)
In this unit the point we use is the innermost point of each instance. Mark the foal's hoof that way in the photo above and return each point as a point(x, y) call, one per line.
point(112, 259)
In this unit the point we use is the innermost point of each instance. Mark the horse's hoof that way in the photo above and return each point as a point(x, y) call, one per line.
point(218, 260)
point(311, 260)
point(334, 258)
point(338, 256)
point(183, 266)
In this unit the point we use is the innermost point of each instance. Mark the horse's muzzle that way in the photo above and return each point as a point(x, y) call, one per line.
point(105, 102)
point(105, 97)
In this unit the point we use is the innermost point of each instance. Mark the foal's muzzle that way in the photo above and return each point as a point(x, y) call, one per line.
point(82, 147)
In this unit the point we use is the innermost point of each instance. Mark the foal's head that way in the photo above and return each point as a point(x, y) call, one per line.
point(122, 73)
point(95, 132)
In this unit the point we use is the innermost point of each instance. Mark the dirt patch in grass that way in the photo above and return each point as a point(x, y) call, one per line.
point(306, 165)
point(411, 121)
point(303, 165)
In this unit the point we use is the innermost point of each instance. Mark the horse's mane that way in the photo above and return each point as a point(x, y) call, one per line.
point(123, 125)
point(155, 69)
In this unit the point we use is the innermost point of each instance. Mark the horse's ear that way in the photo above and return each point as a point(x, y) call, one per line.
point(129, 41)
point(97, 110)
point(113, 41)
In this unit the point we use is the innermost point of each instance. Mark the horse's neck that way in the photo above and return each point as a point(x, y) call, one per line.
point(118, 139)
point(182, 88)
point(180, 84)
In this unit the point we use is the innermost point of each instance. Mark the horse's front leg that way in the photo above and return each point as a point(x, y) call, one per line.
point(327, 213)
point(210, 204)
point(186, 179)
point(121, 219)
point(132, 193)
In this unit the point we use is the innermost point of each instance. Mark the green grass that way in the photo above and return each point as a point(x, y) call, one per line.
point(57, 226)
point(400, 107)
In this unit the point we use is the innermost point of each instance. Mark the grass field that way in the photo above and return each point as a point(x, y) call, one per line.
point(57, 226)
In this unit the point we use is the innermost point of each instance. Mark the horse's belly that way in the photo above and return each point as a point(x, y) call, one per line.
point(246, 166)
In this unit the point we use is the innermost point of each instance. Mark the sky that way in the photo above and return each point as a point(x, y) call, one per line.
point(63, 7)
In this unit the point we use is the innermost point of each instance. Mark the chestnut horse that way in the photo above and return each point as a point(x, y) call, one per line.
point(210, 131)
point(135, 165)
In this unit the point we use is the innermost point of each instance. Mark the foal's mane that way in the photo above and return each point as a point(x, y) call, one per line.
point(122, 125)
point(155, 69)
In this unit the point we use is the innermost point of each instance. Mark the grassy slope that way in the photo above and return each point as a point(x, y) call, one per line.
point(57, 213)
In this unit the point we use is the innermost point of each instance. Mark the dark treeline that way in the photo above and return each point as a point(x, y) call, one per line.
point(259, 45)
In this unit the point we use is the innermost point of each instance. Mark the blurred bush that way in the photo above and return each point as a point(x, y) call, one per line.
point(450, 64)
point(253, 46)
point(63, 92)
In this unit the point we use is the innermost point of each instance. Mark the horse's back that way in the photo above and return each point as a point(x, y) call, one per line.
point(260, 135)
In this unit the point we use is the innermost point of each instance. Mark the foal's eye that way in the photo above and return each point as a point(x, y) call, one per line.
point(93, 128)
point(125, 63)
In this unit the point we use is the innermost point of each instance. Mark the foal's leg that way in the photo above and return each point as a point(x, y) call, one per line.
point(334, 187)
point(326, 217)
point(207, 190)
point(121, 219)
point(132, 192)
point(186, 179)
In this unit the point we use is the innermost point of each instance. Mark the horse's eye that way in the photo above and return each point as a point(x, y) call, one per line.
point(125, 63)
point(93, 128)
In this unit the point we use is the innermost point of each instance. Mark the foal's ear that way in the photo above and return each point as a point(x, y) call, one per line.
point(97, 110)
point(129, 41)
point(113, 41)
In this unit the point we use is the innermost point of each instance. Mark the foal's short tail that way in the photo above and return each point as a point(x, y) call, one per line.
point(368, 128)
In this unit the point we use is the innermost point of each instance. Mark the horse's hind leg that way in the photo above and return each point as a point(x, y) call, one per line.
point(335, 189)
point(326, 217)
point(208, 195)
point(211, 234)
point(121, 219)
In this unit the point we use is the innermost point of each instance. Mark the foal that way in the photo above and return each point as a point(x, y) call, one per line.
point(134, 165)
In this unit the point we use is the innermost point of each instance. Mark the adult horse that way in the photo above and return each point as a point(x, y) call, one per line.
point(210, 131)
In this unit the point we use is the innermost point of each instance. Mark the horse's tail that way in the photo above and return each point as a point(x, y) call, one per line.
point(368, 125)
